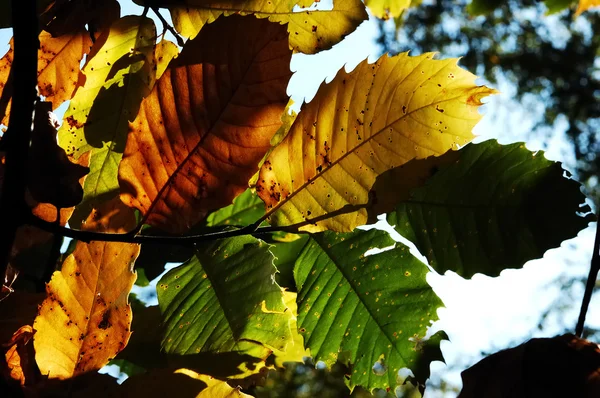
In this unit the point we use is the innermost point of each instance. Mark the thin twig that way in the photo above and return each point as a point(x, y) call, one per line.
point(591, 282)
point(17, 138)
point(167, 26)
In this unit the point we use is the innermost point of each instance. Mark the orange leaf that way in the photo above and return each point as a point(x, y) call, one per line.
point(201, 133)
point(85, 320)
point(58, 64)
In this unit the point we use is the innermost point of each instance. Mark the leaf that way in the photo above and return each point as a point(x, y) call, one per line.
point(363, 309)
point(119, 73)
point(189, 384)
point(58, 64)
point(555, 6)
point(490, 210)
point(295, 351)
point(6, 84)
point(309, 31)
point(222, 299)
point(20, 357)
point(84, 321)
point(386, 9)
point(562, 366)
point(483, 7)
point(52, 177)
point(585, 5)
point(200, 134)
point(365, 122)
point(245, 210)
point(16, 310)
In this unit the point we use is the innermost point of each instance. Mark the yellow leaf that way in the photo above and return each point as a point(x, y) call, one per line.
point(58, 64)
point(85, 320)
point(201, 133)
point(160, 383)
point(363, 123)
point(121, 70)
point(585, 5)
point(386, 9)
point(295, 351)
point(310, 31)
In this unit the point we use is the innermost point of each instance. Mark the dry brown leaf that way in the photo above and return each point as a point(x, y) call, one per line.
point(20, 357)
point(201, 133)
point(85, 320)
point(563, 366)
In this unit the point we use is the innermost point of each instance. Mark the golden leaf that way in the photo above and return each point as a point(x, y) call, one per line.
point(585, 5)
point(363, 123)
point(201, 133)
point(310, 31)
point(85, 320)
point(19, 356)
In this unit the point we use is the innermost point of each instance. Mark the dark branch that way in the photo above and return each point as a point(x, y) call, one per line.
point(167, 26)
point(591, 282)
point(186, 240)
point(17, 138)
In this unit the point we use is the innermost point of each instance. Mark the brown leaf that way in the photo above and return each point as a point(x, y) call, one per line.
point(18, 309)
point(85, 320)
point(563, 366)
point(20, 356)
point(72, 16)
point(52, 177)
point(201, 133)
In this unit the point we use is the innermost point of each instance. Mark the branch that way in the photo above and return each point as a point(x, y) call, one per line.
point(167, 26)
point(17, 138)
point(186, 240)
point(591, 282)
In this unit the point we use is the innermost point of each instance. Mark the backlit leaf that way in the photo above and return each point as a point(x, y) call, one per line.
point(585, 5)
point(365, 309)
point(19, 356)
point(119, 73)
point(223, 298)
point(58, 64)
point(295, 351)
point(310, 31)
point(494, 207)
point(245, 209)
point(202, 131)
point(84, 321)
point(386, 9)
point(363, 123)
point(161, 383)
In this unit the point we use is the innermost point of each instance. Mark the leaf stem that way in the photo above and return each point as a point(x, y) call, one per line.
point(16, 141)
point(591, 282)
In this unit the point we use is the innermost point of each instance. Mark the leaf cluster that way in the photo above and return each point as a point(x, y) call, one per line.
point(187, 154)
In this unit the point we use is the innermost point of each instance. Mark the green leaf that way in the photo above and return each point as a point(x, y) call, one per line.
point(222, 298)
point(495, 207)
point(245, 210)
point(481, 7)
point(364, 309)
point(310, 31)
point(555, 6)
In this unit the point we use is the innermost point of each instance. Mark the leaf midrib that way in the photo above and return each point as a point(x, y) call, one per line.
point(334, 163)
